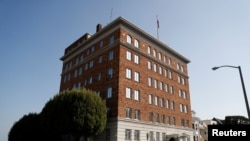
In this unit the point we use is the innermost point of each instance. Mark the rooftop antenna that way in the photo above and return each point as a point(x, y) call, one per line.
point(158, 26)
point(111, 15)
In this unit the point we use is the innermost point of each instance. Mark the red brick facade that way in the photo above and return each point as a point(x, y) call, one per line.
point(100, 62)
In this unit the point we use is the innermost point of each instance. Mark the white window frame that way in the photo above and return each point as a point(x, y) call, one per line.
point(128, 134)
point(136, 43)
point(156, 100)
point(136, 76)
point(137, 95)
point(128, 92)
point(149, 50)
point(129, 39)
point(150, 99)
point(150, 81)
point(128, 73)
point(136, 59)
point(149, 65)
point(128, 55)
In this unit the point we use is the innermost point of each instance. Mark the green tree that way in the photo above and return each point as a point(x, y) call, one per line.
point(75, 112)
point(26, 129)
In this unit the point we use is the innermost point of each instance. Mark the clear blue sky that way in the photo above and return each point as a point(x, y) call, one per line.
point(34, 34)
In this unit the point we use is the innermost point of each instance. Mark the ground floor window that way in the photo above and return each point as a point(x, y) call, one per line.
point(137, 135)
point(128, 134)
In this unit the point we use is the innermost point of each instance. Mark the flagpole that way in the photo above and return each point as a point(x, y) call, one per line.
point(158, 25)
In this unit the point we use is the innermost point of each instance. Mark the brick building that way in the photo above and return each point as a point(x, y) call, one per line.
point(144, 82)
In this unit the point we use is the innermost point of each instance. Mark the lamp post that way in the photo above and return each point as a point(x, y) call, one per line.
point(242, 83)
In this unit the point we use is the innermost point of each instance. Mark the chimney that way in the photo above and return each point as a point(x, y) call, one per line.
point(98, 27)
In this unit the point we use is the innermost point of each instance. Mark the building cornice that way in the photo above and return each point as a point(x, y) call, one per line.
point(122, 22)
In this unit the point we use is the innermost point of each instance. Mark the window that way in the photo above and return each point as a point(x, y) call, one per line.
point(92, 49)
point(149, 65)
point(128, 73)
point(80, 71)
point(136, 43)
point(75, 75)
point(136, 59)
point(155, 68)
point(157, 136)
point(172, 105)
point(68, 76)
point(161, 85)
point(90, 80)
point(137, 135)
point(77, 60)
point(79, 85)
point(157, 117)
point(169, 61)
point(88, 52)
point(128, 55)
point(163, 119)
point(160, 70)
point(187, 125)
point(180, 93)
point(162, 102)
point(99, 77)
point(183, 81)
point(179, 79)
point(128, 92)
point(178, 66)
point(154, 53)
point(101, 43)
point(185, 109)
point(149, 81)
point(150, 99)
point(156, 100)
point(167, 104)
point(181, 110)
point(184, 94)
point(137, 95)
point(182, 69)
point(151, 116)
point(111, 55)
point(137, 114)
point(169, 120)
point(109, 92)
point(111, 39)
point(110, 73)
point(85, 82)
point(170, 75)
point(171, 89)
point(128, 112)
point(81, 57)
point(65, 79)
point(100, 59)
point(156, 83)
point(137, 76)
point(166, 87)
point(164, 137)
point(174, 121)
point(86, 66)
point(151, 136)
point(159, 56)
point(91, 64)
point(149, 50)
point(129, 39)
point(128, 134)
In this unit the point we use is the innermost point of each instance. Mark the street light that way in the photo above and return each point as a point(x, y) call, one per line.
point(242, 83)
